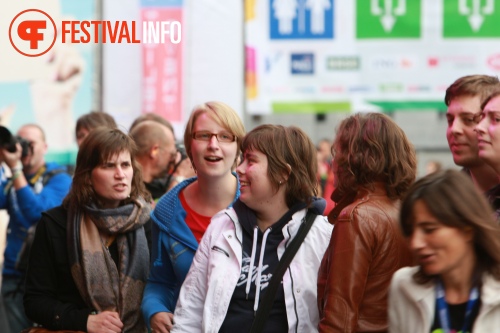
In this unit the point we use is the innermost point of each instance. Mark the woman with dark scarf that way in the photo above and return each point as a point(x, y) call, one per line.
point(90, 256)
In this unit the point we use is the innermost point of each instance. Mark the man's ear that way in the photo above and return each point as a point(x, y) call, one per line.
point(154, 151)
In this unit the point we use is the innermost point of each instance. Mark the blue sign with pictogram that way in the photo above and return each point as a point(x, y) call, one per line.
point(301, 19)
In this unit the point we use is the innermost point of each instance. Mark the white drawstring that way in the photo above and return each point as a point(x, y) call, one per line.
point(252, 260)
point(259, 270)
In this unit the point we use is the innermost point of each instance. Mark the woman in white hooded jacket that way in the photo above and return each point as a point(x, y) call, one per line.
point(278, 183)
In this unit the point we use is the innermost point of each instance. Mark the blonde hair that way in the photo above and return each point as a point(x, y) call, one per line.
point(223, 115)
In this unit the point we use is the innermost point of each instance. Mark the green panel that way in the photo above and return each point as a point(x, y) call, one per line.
point(471, 18)
point(62, 157)
point(410, 105)
point(388, 18)
point(311, 107)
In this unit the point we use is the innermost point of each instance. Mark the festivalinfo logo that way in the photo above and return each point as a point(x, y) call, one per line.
point(33, 32)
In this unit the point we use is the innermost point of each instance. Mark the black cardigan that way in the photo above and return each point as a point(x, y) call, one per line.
point(51, 298)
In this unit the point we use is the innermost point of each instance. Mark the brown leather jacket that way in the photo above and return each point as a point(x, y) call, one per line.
point(366, 248)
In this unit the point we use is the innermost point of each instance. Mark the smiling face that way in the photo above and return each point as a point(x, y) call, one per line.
point(112, 181)
point(256, 188)
point(439, 249)
point(488, 132)
point(212, 158)
point(460, 133)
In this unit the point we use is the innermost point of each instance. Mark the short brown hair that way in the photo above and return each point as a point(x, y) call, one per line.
point(93, 120)
point(153, 117)
point(371, 148)
point(452, 198)
point(38, 127)
point(101, 144)
point(146, 134)
point(223, 115)
point(493, 94)
point(289, 152)
point(471, 85)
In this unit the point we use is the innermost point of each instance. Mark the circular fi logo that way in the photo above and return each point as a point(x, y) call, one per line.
point(32, 32)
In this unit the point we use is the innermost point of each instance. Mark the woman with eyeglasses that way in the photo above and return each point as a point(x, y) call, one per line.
point(212, 138)
point(454, 237)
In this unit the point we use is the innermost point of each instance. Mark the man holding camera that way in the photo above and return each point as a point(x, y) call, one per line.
point(35, 186)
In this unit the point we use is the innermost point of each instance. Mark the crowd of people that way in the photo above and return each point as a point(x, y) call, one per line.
point(258, 231)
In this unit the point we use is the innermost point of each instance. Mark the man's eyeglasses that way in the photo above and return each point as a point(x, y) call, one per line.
point(207, 136)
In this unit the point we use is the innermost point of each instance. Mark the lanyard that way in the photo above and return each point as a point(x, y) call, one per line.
point(32, 181)
point(444, 315)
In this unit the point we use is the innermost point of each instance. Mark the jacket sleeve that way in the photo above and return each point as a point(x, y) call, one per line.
point(42, 297)
point(188, 316)
point(393, 311)
point(162, 281)
point(32, 205)
point(344, 272)
point(3, 195)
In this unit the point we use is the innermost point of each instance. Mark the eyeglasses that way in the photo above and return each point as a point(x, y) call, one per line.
point(207, 136)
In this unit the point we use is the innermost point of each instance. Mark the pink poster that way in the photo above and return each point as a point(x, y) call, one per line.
point(162, 52)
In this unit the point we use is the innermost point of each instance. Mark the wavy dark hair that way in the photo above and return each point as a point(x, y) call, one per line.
point(291, 152)
point(100, 145)
point(371, 148)
point(452, 198)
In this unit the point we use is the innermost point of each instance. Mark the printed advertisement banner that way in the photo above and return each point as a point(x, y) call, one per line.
point(317, 56)
point(54, 88)
point(162, 84)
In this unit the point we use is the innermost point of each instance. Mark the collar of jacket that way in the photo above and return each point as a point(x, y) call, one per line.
point(169, 206)
point(167, 211)
point(374, 189)
point(292, 226)
point(490, 290)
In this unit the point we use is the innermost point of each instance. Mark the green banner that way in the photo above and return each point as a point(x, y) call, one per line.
point(311, 107)
point(388, 18)
point(410, 105)
point(471, 18)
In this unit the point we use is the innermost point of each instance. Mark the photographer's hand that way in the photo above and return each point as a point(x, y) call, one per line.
point(13, 161)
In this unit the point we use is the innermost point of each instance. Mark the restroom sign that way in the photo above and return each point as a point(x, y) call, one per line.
point(301, 19)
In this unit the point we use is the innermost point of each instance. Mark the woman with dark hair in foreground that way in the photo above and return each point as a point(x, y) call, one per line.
point(90, 257)
point(456, 241)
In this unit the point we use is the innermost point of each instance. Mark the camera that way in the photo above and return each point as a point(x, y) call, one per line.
point(8, 142)
point(181, 149)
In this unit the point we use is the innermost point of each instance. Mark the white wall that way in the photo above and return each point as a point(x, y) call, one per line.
point(213, 63)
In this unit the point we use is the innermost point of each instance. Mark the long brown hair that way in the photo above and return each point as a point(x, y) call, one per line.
point(100, 145)
point(371, 148)
point(454, 201)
